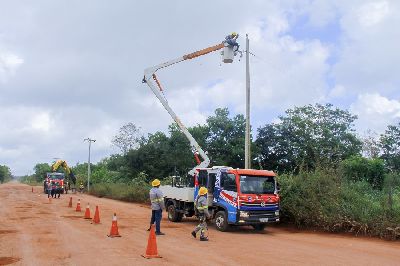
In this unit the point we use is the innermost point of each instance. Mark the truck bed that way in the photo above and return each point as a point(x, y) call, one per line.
point(178, 193)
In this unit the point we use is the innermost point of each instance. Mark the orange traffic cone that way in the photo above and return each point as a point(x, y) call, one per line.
point(151, 250)
point(87, 212)
point(70, 202)
point(78, 206)
point(114, 227)
point(96, 218)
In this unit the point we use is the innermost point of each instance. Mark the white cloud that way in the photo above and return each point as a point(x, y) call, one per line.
point(375, 112)
point(9, 63)
point(372, 13)
point(63, 80)
point(41, 121)
point(337, 92)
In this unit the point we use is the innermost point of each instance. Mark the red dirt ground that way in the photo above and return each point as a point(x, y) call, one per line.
point(36, 232)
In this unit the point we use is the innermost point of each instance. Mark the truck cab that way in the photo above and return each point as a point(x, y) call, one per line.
point(58, 179)
point(235, 197)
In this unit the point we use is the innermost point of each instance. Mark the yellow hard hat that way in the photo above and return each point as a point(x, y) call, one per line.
point(155, 183)
point(233, 33)
point(203, 191)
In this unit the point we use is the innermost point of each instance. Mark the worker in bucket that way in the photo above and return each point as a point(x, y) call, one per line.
point(157, 205)
point(231, 40)
point(202, 208)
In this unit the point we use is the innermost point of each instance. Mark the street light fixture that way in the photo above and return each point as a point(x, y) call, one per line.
point(89, 140)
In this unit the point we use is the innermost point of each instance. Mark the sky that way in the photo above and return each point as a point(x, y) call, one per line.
point(72, 69)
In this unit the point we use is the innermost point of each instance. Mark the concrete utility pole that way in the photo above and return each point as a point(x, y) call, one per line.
point(247, 154)
point(88, 169)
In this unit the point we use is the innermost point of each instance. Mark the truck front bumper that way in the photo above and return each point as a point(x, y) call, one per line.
point(257, 217)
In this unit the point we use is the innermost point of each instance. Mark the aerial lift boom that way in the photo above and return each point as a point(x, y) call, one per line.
point(151, 79)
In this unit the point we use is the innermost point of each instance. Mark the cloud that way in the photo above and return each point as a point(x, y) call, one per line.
point(9, 63)
point(375, 112)
point(73, 70)
point(372, 13)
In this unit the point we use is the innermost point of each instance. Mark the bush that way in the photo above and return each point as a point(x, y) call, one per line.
point(132, 192)
point(325, 200)
point(358, 168)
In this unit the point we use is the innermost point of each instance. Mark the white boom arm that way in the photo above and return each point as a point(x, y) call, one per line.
point(151, 80)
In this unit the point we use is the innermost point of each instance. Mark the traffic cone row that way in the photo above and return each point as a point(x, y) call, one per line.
point(151, 250)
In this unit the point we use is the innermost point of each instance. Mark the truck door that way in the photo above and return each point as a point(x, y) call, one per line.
point(228, 195)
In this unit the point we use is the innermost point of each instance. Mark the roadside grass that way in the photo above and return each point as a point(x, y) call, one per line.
point(131, 192)
point(321, 200)
point(326, 201)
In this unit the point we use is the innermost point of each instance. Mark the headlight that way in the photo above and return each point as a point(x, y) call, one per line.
point(276, 213)
point(244, 214)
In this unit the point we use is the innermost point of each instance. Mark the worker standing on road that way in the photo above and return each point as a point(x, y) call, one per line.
point(48, 188)
point(157, 205)
point(202, 208)
point(53, 189)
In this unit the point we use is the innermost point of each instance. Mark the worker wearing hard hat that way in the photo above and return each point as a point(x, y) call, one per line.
point(202, 208)
point(231, 40)
point(157, 205)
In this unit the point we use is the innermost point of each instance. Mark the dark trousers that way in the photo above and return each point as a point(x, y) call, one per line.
point(156, 216)
point(153, 217)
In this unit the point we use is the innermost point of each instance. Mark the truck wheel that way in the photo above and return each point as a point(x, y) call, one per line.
point(258, 227)
point(221, 221)
point(173, 214)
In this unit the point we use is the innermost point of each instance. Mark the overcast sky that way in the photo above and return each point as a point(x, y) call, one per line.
point(73, 69)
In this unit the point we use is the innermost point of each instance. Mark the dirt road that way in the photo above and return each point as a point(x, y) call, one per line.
point(36, 232)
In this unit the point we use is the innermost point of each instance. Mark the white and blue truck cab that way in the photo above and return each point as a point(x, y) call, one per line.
point(235, 197)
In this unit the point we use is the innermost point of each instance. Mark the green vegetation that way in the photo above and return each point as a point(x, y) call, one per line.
point(329, 201)
point(330, 178)
point(5, 174)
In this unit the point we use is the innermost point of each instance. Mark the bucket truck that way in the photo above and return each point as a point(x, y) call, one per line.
point(235, 196)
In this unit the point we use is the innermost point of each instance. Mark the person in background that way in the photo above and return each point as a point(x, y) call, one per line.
point(81, 187)
point(157, 205)
point(48, 188)
point(53, 189)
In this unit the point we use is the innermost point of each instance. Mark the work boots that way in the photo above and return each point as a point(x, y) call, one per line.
point(203, 238)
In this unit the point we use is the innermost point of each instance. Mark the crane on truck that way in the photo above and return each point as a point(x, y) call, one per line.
point(58, 178)
point(235, 196)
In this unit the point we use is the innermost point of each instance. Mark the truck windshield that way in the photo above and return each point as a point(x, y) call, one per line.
point(250, 184)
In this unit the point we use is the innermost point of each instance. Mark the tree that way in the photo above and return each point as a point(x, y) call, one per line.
point(5, 173)
point(40, 171)
point(127, 138)
point(306, 137)
point(370, 146)
point(390, 144)
point(225, 141)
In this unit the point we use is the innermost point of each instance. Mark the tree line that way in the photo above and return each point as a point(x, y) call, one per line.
point(302, 139)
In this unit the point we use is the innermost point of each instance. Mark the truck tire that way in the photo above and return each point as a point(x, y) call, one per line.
point(258, 227)
point(173, 214)
point(221, 221)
